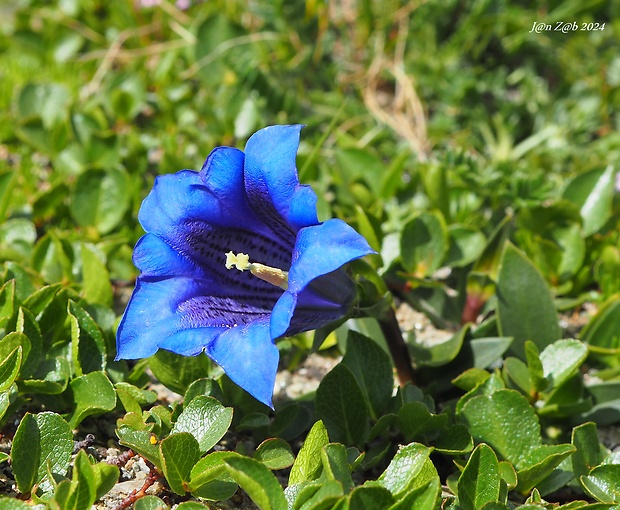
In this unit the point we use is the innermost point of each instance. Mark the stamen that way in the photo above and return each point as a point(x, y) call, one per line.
point(268, 274)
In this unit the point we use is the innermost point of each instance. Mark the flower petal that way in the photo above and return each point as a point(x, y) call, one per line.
point(214, 196)
point(189, 212)
point(271, 181)
point(322, 249)
point(319, 291)
point(325, 300)
point(249, 357)
point(178, 314)
point(155, 259)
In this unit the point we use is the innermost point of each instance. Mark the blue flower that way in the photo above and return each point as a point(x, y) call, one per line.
point(204, 229)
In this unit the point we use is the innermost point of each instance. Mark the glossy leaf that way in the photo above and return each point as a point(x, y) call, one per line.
point(92, 394)
point(43, 441)
point(593, 192)
point(406, 465)
point(524, 306)
point(341, 406)
point(275, 453)
point(206, 419)
point(307, 465)
point(603, 483)
point(260, 484)
point(506, 422)
point(480, 480)
point(372, 369)
point(179, 453)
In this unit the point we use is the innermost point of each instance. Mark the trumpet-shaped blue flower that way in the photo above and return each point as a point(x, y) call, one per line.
point(235, 257)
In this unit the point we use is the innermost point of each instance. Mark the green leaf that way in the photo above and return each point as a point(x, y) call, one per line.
point(96, 287)
point(178, 372)
point(88, 350)
point(607, 270)
point(26, 453)
point(51, 377)
point(7, 304)
point(540, 463)
point(601, 333)
point(424, 243)
point(593, 192)
point(179, 453)
point(80, 492)
point(275, 453)
point(192, 505)
point(372, 369)
point(290, 421)
point(27, 325)
point(7, 503)
point(38, 301)
point(92, 394)
point(43, 441)
point(215, 31)
point(506, 422)
point(48, 101)
point(534, 366)
point(316, 495)
point(106, 476)
point(480, 480)
point(370, 497)
point(341, 406)
point(9, 368)
point(437, 354)
point(415, 420)
point(406, 465)
point(307, 465)
point(424, 497)
point(588, 452)
point(336, 465)
point(206, 419)
point(562, 359)
point(100, 199)
point(466, 245)
point(150, 503)
point(524, 304)
point(7, 183)
point(454, 440)
point(259, 483)
point(140, 441)
point(209, 477)
point(133, 397)
point(487, 350)
point(603, 483)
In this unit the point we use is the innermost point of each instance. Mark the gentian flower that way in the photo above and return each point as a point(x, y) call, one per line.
point(234, 257)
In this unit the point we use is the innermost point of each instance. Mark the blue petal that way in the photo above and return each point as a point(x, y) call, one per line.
point(201, 217)
point(214, 196)
point(180, 315)
point(326, 299)
point(322, 249)
point(271, 181)
point(249, 357)
point(319, 292)
point(156, 259)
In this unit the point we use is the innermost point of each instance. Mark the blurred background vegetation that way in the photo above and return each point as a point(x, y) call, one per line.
point(98, 98)
point(438, 129)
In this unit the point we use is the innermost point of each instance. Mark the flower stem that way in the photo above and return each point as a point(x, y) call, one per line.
point(398, 348)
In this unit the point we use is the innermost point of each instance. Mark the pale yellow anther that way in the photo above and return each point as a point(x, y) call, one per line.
point(241, 261)
point(269, 274)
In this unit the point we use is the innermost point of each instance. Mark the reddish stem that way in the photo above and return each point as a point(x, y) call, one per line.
point(135, 495)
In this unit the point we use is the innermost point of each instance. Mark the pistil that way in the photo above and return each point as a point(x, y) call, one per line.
point(272, 275)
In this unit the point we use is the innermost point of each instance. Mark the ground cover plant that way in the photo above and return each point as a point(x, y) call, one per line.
point(467, 155)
